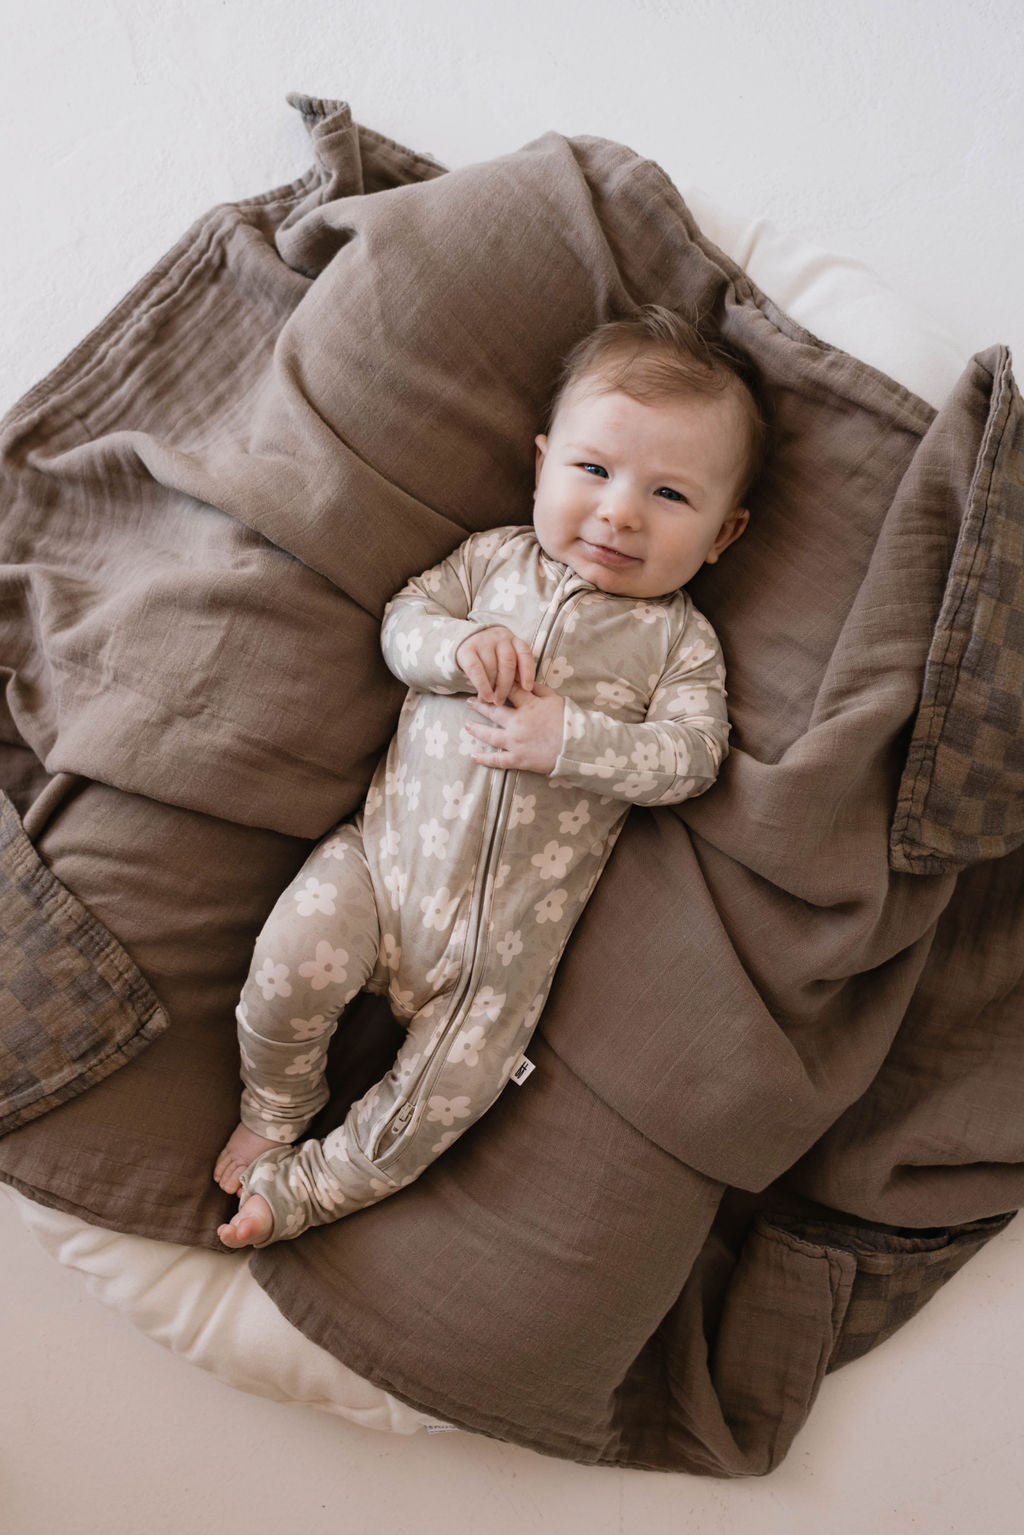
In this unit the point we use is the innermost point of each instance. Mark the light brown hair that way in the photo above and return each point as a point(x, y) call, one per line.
point(659, 354)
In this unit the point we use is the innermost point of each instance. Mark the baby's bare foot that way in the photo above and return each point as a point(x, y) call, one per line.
point(242, 1148)
point(253, 1223)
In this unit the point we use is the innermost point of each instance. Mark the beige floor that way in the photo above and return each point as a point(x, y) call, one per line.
point(103, 1433)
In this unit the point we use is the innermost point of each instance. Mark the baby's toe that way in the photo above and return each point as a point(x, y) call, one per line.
point(229, 1177)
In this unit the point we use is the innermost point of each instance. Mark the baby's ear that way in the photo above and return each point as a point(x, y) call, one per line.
point(728, 533)
point(542, 448)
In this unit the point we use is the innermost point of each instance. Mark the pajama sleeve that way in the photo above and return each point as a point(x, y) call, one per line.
point(425, 623)
point(672, 755)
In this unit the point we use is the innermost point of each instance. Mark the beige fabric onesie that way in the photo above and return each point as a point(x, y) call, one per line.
point(455, 889)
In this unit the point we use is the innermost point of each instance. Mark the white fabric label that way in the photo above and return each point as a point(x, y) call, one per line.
point(522, 1071)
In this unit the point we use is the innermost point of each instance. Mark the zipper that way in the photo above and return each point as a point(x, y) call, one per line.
point(383, 1154)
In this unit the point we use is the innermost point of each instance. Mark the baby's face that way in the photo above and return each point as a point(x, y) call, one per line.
point(637, 497)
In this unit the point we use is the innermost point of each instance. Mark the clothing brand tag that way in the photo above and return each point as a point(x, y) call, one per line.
point(522, 1071)
point(441, 1428)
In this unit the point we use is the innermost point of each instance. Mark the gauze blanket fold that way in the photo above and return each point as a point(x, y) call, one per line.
point(317, 394)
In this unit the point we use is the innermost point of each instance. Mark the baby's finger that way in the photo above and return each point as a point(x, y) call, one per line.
point(507, 660)
point(518, 695)
point(527, 665)
point(492, 759)
point(473, 668)
point(482, 674)
point(489, 733)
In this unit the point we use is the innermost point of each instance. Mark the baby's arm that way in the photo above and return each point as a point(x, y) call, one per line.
point(428, 621)
point(676, 752)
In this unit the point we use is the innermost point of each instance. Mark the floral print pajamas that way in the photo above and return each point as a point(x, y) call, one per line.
point(456, 887)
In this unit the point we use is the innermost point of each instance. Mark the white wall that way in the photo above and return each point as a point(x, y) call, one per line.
point(889, 129)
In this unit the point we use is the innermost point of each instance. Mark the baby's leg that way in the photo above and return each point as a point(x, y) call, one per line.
point(317, 949)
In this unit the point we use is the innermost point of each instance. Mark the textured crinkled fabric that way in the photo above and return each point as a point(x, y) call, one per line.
point(73, 1005)
point(961, 798)
point(318, 393)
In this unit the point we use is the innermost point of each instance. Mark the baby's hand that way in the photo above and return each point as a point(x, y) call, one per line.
point(526, 733)
point(495, 658)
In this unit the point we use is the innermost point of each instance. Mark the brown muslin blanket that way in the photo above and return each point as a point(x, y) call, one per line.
point(778, 1090)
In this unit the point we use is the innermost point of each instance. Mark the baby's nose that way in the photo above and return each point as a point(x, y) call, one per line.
point(623, 511)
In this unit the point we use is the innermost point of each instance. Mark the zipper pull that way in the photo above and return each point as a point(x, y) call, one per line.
point(401, 1119)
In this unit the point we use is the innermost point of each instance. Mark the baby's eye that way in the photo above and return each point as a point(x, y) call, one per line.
point(669, 494)
point(594, 469)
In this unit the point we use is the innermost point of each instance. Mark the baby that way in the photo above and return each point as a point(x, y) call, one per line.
point(557, 674)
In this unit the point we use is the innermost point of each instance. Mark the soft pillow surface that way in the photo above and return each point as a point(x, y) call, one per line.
point(177, 1294)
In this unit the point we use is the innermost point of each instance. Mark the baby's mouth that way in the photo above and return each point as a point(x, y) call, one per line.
point(606, 556)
